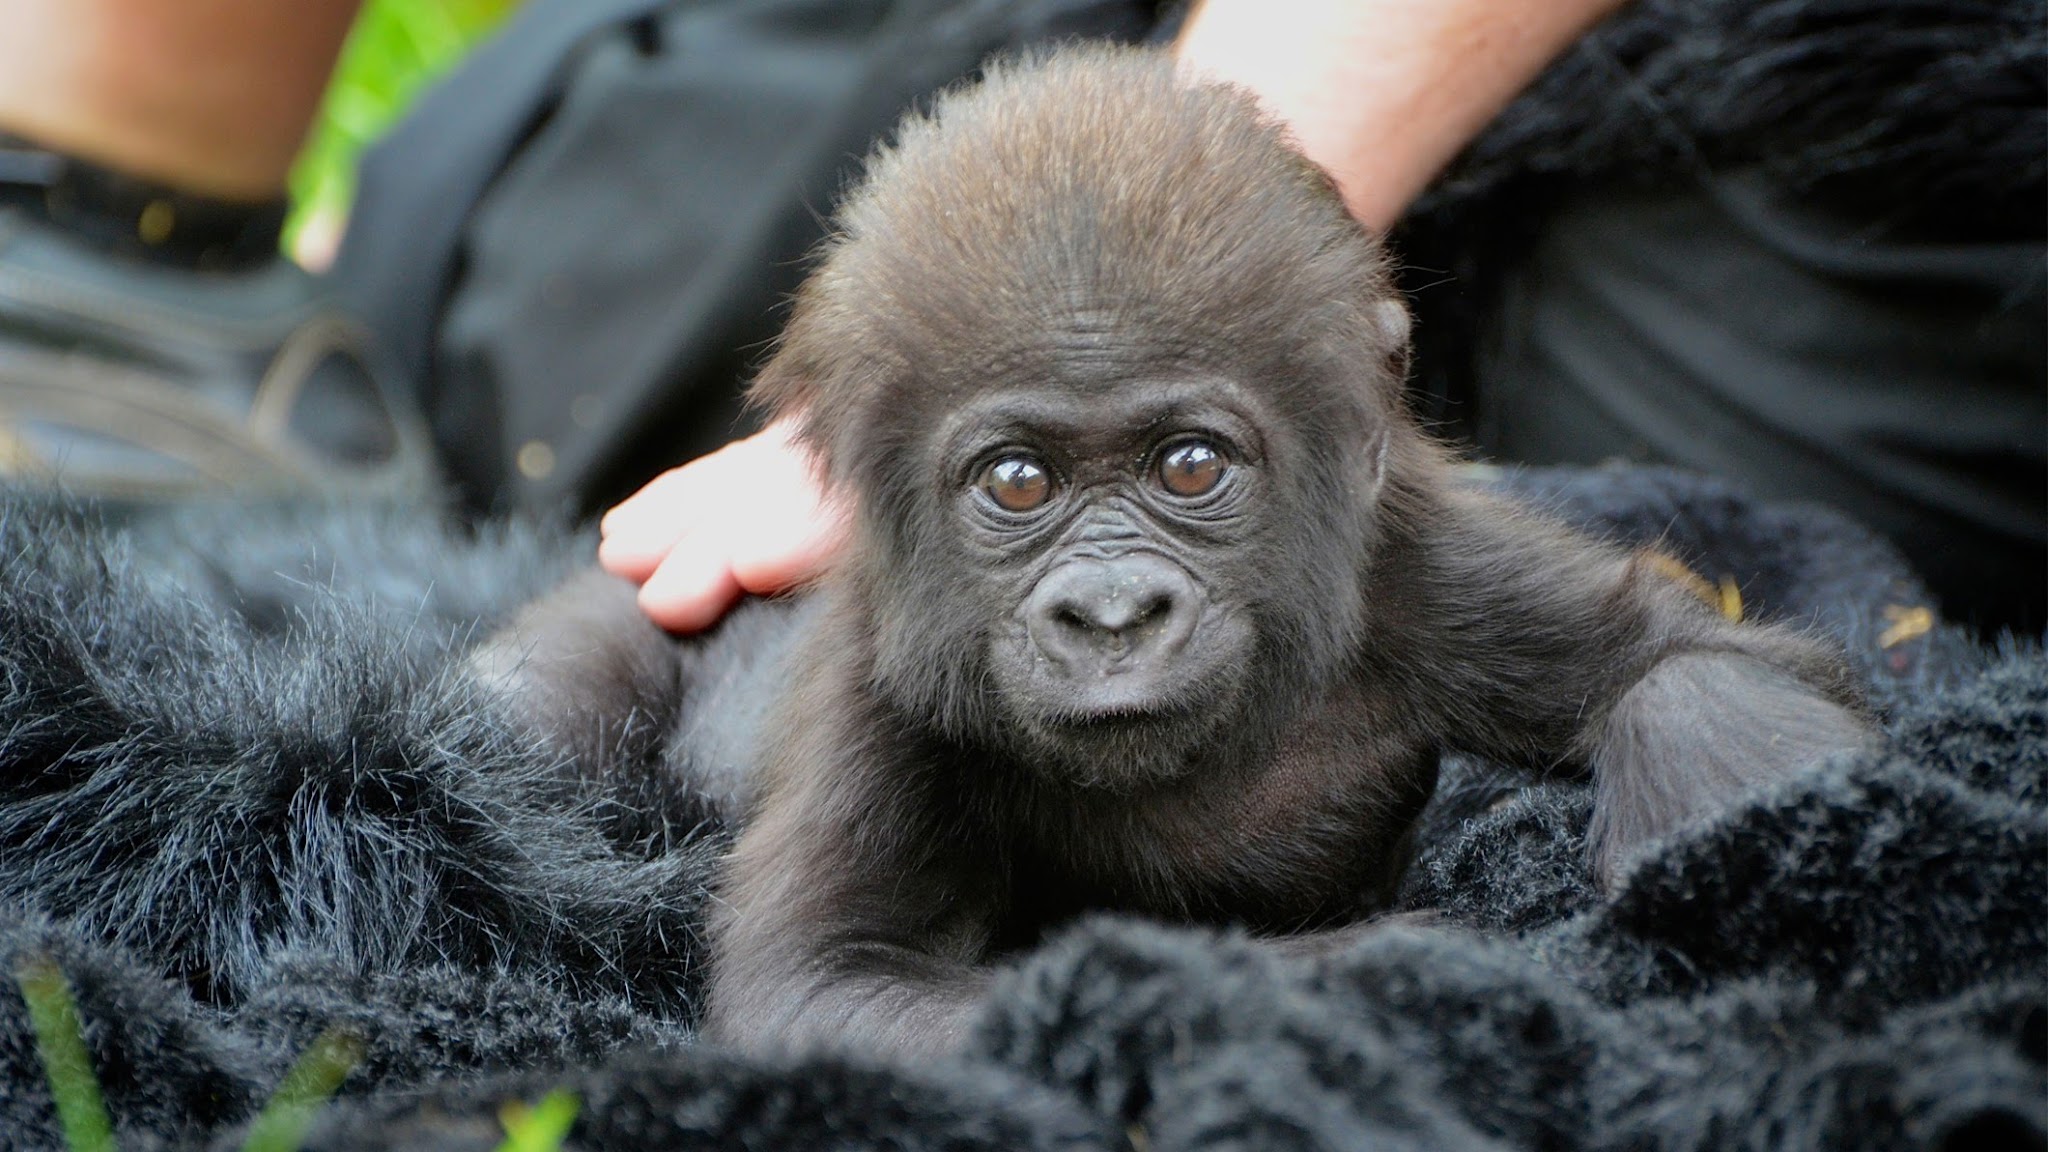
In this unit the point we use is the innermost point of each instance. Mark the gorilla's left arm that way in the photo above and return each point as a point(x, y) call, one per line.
point(1538, 646)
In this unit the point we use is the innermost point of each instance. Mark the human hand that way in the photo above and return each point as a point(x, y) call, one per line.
point(750, 517)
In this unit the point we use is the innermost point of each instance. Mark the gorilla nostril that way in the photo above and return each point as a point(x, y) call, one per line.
point(1153, 612)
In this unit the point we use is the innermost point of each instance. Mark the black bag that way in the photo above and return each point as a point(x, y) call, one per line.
point(578, 243)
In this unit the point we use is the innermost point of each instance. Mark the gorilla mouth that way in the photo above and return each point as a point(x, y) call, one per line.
point(1117, 719)
point(1145, 721)
point(1120, 747)
point(1110, 704)
point(1118, 724)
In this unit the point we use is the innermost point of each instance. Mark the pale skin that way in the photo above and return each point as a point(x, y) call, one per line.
point(213, 97)
point(1382, 93)
point(749, 517)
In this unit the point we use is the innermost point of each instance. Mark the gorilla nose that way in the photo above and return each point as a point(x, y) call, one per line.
point(1126, 613)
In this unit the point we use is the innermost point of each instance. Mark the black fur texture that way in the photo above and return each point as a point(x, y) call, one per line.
point(1938, 103)
point(1854, 959)
point(1926, 117)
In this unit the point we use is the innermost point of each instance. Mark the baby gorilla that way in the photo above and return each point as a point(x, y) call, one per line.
point(1159, 601)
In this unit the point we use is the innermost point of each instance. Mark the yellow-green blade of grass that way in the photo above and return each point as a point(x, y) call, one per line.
point(60, 1042)
point(542, 1127)
point(326, 1062)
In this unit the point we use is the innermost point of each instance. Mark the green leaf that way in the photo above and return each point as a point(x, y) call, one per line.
point(396, 48)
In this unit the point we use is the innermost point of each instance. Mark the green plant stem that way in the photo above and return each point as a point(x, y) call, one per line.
point(60, 1042)
point(326, 1062)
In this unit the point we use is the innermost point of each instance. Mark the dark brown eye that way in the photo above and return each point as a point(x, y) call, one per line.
point(1017, 483)
point(1191, 468)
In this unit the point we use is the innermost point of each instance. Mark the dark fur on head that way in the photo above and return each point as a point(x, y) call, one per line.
point(1013, 255)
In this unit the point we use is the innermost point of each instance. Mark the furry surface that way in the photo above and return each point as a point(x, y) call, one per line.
point(1939, 102)
point(1925, 117)
point(245, 796)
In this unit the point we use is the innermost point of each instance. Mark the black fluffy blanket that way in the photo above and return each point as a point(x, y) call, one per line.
point(247, 795)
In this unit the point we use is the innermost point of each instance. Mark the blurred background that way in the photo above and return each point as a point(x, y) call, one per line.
point(398, 46)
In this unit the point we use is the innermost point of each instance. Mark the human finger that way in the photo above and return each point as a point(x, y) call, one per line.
point(691, 588)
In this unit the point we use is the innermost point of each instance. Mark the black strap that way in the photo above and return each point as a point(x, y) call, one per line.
point(134, 216)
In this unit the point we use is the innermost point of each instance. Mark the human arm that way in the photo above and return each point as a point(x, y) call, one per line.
point(1382, 93)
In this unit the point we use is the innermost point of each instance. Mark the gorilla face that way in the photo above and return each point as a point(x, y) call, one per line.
point(1102, 564)
point(1111, 527)
point(1115, 436)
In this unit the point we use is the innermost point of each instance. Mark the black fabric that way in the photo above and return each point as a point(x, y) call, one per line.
point(582, 291)
point(247, 794)
point(1727, 331)
point(417, 186)
point(1797, 243)
point(1902, 380)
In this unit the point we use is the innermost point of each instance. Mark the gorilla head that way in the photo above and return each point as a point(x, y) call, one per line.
point(1116, 430)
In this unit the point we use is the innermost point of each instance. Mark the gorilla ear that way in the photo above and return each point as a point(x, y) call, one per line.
point(1390, 317)
point(1375, 465)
